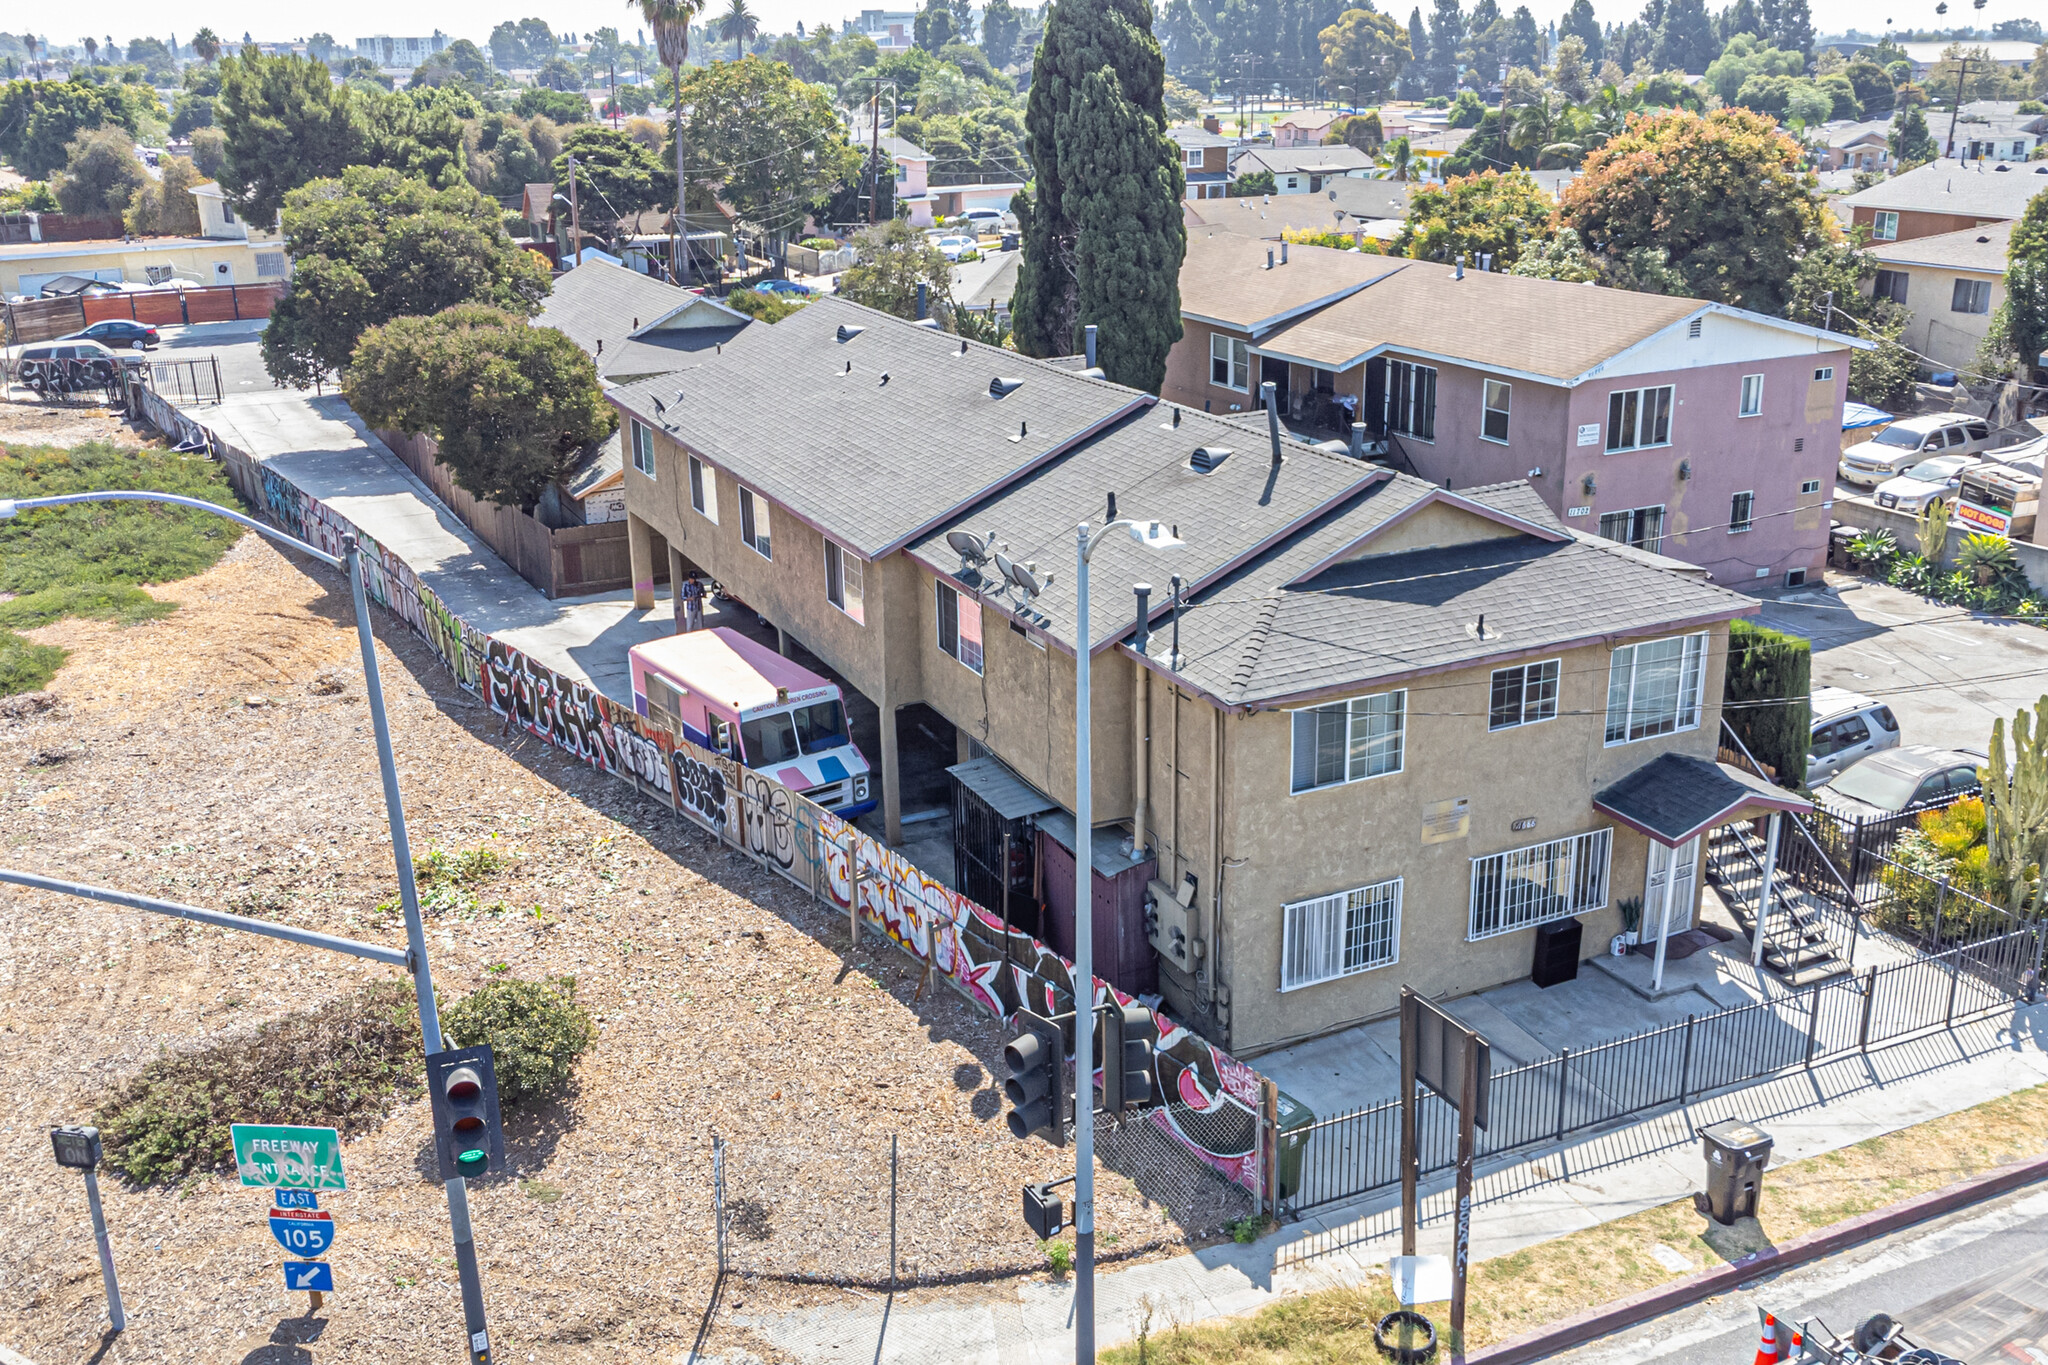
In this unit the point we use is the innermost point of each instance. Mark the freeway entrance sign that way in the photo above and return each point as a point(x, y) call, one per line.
point(281, 1157)
point(302, 1232)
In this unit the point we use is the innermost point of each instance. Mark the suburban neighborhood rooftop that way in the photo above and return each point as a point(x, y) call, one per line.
point(1944, 186)
point(1981, 249)
point(1226, 278)
point(632, 324)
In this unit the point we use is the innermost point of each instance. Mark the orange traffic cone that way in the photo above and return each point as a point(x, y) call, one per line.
point(1798, 1346)
point(1767, 1348)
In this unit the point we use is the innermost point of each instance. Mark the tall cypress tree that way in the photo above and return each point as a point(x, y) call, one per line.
point(1103, 239)
point(1417, 75)
point(1446, 39)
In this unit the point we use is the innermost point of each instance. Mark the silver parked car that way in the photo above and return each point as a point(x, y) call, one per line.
point(1908, 778)
point(1847, 726)
point(1910, 440)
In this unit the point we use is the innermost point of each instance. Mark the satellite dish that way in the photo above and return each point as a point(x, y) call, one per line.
point(1004, 568)
point(969, 546)
point(1027, 579)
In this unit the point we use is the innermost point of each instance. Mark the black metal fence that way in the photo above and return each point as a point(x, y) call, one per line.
point(1351, 1154)
point(187, 383)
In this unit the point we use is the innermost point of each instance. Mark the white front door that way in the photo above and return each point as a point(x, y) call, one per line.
point(1687, 856)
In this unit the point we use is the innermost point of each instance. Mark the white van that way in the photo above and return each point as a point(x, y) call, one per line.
point(1910, 440)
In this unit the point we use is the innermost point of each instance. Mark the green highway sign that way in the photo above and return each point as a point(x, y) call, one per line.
point(279, 1157)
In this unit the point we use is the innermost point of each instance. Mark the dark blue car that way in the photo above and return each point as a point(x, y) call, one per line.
point(118, 332)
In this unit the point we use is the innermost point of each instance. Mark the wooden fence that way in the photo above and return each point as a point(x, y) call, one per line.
point(45, 319)
point(560, 561)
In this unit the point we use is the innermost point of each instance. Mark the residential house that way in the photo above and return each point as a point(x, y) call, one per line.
point(634, 326)
point(1348, 205)
point(1995, 130)
point(1433, 149)
point(1855, 145)
point(1943, 196)
point(227, 251)
point(891, 30)
point(1206, 158)
point(1302, 170)
point(1386, 731)
point(1304, 128)
point(1951, 284)
point(1699, 430)
point(2009, 53)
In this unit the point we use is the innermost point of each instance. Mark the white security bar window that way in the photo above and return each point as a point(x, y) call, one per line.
point(1741, 512)
point(1642, 527)
point(1230, 362)
point(1522, 695)
point(1411, 399)
point(960, 626)
point(1494, 420)
point(1349, 741)
point(643, 448)
point(1529, 886)
point(1752, 396)
point(754, 522)
point(1884, 227)
point(1656, 688)
point(1340, 935)
point(703, 491)
point(843, 579)
point(1637, 418)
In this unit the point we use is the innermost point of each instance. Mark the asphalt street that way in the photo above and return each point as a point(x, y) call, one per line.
point(1945, 672)
point(1973, 1286)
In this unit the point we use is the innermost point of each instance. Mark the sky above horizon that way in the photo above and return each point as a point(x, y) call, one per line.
point(474, 19)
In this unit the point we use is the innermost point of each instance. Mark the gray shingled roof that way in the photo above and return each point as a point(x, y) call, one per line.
point(599, 306)
point(870, 461)
point(1946, 187)
point(1253, 641)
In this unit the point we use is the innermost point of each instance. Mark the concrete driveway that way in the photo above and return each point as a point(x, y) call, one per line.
point(1947, 673)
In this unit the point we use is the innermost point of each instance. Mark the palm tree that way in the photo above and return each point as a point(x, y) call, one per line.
point(739, 25)
point(1399, 161)
point(28, 42)
point(1543, 125)
point(92, 51)
point(206, 45)
point(670, 20)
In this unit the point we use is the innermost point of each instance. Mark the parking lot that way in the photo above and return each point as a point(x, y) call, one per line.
point(1946, 673)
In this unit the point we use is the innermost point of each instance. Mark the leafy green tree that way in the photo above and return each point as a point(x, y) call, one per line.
point(1721, 195)
point(376, 245)
point(1474, 215)
point(615, 174)
point(321, 47)
point(209, 152)
point(1910, 142)
point(894, 260)
point(1001, 25)
point(558, 106)
point(1254, 183)
point(1467, 109)
point(415, 133)
point(1572, 74)
point(1765, 693)
point(1831, 289)
point(1580, 22)
point(1363, 54)
point(39, 119)
point(166, 206)
point(559, 73)
point(1744, 59)
point(286, 122)
point(1872, 86)
point(933, 28)
point(1562, 256)
point(191, 111)
point(774, 144)
point(509, 404)
point(2019, 329)
point(1790, 26)
point(101, 174)
point(1103, 241)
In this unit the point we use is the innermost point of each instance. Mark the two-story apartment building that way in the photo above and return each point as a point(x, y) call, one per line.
point(1944, 196)
point(1951, 285)
point(1700, 431)
point(1206, 158)
point(1386, 732)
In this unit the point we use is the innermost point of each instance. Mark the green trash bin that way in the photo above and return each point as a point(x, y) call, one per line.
point(1296, 1119)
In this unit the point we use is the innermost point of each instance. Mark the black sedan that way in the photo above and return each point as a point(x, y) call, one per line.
point(118, 332)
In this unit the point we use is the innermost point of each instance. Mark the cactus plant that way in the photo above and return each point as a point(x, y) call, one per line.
point(2016, 807)
point(1932, 532)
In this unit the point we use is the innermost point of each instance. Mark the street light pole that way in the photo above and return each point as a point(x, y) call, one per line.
point(1155, 537)
point(350, 562)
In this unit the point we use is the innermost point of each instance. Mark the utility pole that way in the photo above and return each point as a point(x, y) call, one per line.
point(1962, 70)
point(575, 218)
point(614, 66)
point(1504, 114)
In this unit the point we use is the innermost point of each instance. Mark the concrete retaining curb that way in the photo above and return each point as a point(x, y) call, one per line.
point(1599, 1322)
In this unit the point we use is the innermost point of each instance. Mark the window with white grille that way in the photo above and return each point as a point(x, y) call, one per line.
point(1525, 887)
point(1340, 935)
point(844, 579)
point(1349, 741)
point(1656, 688)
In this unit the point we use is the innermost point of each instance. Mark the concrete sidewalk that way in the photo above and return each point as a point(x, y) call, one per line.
point(320, 444)
point(1540, 1194)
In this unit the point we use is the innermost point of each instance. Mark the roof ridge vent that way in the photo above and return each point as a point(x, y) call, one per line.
point(1206, 458)
point(847, 331)
point(1003, 387)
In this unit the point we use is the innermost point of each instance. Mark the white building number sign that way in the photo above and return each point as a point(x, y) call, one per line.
point(1589, 433)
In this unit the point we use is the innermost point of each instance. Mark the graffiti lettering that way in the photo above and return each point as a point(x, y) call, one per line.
point(700, 788)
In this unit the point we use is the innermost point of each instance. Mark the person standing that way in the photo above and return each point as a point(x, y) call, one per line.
point(693, 604)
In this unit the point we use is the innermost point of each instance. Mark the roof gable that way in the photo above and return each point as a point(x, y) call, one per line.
point(1437, 519)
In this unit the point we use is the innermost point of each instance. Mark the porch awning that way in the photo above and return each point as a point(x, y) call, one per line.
point(1002, 791)
point(1674, 797)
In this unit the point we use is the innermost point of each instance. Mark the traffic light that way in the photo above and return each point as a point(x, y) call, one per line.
point(468, 1138)
point(1045, 1213)
point(1036, 1086)
point(1129, 1035)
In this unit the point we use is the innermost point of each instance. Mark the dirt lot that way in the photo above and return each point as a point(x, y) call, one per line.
point(204, 759)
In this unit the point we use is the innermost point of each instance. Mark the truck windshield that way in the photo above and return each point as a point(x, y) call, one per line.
point(783, 735)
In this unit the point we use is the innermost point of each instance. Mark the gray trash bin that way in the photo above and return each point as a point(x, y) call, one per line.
point(1736, 1153)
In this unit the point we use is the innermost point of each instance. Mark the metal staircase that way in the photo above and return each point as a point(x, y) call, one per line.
point(1807, 937)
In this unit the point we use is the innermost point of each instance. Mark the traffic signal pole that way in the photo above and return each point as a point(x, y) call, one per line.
point(476, 1332)
point(1084, 976)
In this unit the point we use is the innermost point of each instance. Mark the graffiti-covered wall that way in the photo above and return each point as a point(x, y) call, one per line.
point(1216, 1099)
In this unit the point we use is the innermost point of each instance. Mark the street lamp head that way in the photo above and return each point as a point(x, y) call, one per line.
point(1156, 535)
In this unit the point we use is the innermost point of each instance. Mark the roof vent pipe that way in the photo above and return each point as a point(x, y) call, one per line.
point(1112, 510)
point(1269, 258)
point(1458, 276)
point(1088, 343)
point(1358, 440)
point(923, 303)
point(1283, 252)
point(1269, 394)
point(1486, 262)
point(1144, 641)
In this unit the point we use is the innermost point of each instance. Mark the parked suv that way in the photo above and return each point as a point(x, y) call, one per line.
point(62, 365)
point(1910, 440)
point(1847, 726)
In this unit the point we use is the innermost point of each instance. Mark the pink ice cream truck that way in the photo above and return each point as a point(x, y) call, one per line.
point(722, 691)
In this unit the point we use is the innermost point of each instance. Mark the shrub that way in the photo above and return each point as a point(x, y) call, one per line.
point(1769, 681)
point(1058, 1255)
point(338, 1066)
point(820, 243)
point(1988, 558)
point(765, 307)
point(1877, 549)
point(1944, 843)
point(26, 666)
point(536, 1031)
point(1912, 573)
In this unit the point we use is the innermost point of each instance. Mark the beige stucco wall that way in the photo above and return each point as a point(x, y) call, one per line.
point(1280, 847)
point(191, 261)
point(1933, 328)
